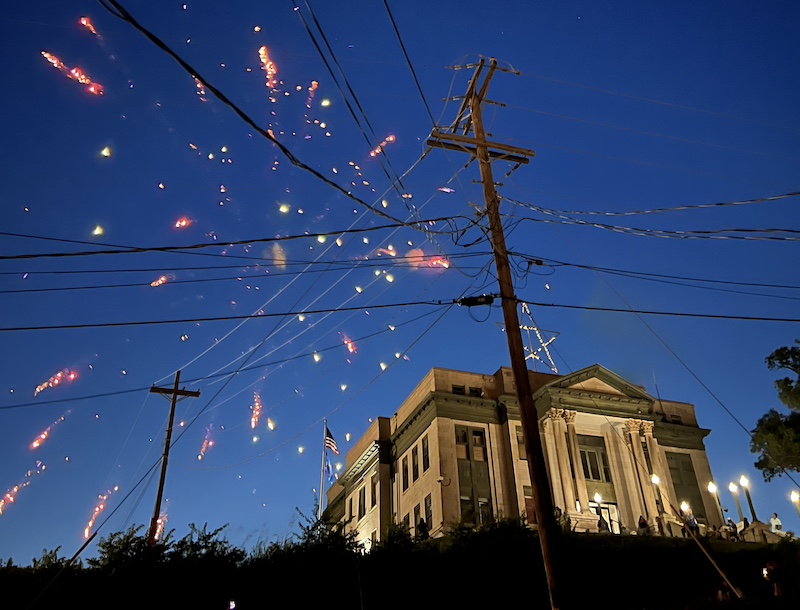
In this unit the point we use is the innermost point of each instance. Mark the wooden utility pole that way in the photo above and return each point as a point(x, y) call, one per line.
point(484, 152)
point(174, 392)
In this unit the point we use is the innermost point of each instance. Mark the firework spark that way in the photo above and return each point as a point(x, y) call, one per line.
point(200, 90)
point(256, 408)
point(74, 73)
point(160, 523)
point(381, 146)
point(11, 495)
point(182, 222)
point(39, 440)
point(311, 90)
point(207, 444)
point(268, 66)
point(62, 376)
point(162, 280)
point(87, 23)
point(351, 347)
point(99, 508)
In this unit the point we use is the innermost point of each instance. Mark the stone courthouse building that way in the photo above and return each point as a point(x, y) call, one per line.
point(454, 453)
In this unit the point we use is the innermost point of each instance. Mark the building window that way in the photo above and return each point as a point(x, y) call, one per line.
point(350, 509)
point(478, 446)
point(405, 473)
point(416, 517)
point(477, 392)
point(684, 480)
point(406, 522)
point(426, 458)
point(414, 464)
point(594, 459)
point(474, 478)
point(484, 511)
point(429, 511)
point(467, 510)
point(530, 506)
point(462, 445)
point(523, 453)
point(362, 502)
point(459, 389)
point(374, 490)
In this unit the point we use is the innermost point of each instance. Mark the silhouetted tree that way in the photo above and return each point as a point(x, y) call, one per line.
point(776, 437)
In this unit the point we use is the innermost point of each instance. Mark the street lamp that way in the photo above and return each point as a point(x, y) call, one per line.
point(712, 489)
point(795, 498)
point(735, 492)
point(746, 485)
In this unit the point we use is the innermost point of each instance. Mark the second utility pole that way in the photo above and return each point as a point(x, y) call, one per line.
point(479, 148)
point(174, 392)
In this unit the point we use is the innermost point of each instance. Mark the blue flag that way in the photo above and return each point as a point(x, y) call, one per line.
point(329, 473)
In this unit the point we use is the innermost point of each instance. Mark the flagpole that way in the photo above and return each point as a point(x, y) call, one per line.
point(322, 468)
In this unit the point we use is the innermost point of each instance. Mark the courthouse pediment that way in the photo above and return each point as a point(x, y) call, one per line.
point(594, 388)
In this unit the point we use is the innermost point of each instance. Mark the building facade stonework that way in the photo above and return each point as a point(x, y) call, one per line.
point(454, 453)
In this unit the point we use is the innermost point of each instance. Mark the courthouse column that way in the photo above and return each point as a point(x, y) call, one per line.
point(549, 442)
point(577, 466)
point(640, 464)
point(567, 484)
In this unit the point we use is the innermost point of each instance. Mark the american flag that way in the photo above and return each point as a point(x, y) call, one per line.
point(329, 442)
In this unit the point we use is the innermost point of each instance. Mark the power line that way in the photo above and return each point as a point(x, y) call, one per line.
point(219, 244)
point(408, 62)
point(306, 312)
point(120, 12)
point(680, 208)
point(396, 180)
point(379, 260)
point(255, 367)
point(717, 234)
point(661, 313)
point(555, 263)
point(331, 268)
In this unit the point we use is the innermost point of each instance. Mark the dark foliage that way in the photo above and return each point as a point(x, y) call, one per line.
point(776, 437)
point(500, 565)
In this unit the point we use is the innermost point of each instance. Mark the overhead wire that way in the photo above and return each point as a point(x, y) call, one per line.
point(121, 249)
point(119, 11)
point(408, 61)
point(54, 401)
point(716, 234)
point(679, 208)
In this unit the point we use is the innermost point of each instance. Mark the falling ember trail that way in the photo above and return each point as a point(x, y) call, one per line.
point(101, 506)
point(379, 149)
point(268, 66)
point(57, 379)
point(74, 73)
point(311, 90)
point(256, 408)
point(161, 280)
point(207, 443)
point(41, 438)
point(161, 522)
point(86, 22)
point(11, 495)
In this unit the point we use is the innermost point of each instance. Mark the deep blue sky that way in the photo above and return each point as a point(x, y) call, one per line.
point(629, 108)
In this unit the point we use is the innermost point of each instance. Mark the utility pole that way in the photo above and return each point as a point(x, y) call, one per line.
point(174, 392)
point(473, 141)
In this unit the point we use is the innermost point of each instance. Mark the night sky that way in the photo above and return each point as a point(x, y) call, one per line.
point(271, 223)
